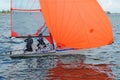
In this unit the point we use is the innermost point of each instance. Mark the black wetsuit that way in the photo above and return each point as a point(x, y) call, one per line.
point(41, 42)
point(29, 42)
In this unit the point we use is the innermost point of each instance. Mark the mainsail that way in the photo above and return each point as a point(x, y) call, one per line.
point(26, 18)
point(77, 23)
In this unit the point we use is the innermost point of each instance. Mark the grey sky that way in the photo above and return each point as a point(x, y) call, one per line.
point(110, 5)
point(4, 4)
point(107, 5)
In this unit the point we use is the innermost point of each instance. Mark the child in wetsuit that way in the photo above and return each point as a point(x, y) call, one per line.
point(41, 42)
point(29, 42)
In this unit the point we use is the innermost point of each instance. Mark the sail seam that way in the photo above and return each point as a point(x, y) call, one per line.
point(88, 42)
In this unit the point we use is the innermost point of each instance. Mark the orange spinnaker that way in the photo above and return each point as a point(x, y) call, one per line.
point(77, 23)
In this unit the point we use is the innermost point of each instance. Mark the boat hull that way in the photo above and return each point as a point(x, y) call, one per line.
point(50, 53)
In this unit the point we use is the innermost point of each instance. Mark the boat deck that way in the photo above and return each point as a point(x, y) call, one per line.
point(50, 53)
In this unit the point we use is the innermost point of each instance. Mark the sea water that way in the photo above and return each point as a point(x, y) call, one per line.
point(103, 60)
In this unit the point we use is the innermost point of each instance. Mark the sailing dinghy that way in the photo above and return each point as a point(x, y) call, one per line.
point(72, 24)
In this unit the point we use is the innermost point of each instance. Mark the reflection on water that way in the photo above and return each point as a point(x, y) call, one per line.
point(74, 68)
point(27, 69)
point(68, 67)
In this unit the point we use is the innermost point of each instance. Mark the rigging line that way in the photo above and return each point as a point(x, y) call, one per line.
point(12, 5)
point(44, 29)
point(38, 31)
point(11, 11)
point(18, 9)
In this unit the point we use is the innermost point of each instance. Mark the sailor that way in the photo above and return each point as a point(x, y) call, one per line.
point(29, 42)
point(41, 43)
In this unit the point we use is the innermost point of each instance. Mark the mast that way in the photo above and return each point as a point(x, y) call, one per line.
point(11, 18)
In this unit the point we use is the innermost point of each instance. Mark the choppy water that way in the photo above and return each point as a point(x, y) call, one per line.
point(101, 63)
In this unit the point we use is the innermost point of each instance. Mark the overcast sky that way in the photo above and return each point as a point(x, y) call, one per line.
point(107, 5)
point(110, 5)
